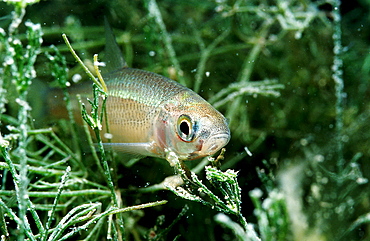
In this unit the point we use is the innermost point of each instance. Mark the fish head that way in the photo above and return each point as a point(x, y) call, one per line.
point(196, 129)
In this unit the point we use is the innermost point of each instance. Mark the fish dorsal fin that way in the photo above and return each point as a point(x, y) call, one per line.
point(113, 56)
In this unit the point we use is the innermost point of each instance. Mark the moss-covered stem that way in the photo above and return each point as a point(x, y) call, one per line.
point(83, 213)
point(22, 222)
point(251, 233)
point(22, 71)
point(42, 194)
point(23, 181)
point(56, 200)
point(95, 122)
point(17, 16)
point(337, 69)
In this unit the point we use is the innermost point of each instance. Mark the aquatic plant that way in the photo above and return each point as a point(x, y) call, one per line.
point(290, 76)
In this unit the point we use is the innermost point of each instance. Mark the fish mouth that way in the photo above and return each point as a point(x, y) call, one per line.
point(215, 143)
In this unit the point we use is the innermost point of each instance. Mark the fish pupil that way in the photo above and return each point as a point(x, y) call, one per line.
point(184, 128)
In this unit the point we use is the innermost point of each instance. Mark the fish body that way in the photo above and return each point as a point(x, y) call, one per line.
point(162, 115)
point(152, 115)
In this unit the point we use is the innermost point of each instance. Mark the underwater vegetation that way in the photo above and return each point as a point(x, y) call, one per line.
point(292, 78)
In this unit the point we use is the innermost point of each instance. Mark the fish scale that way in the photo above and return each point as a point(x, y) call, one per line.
point(142, 86)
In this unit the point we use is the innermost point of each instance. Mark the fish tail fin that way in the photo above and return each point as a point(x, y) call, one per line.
point(46, 103)
point(39, 109)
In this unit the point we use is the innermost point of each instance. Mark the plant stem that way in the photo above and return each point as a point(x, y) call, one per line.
point(337, 69)
point(156, 14)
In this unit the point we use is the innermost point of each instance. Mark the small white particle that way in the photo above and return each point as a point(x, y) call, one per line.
point(362, 180)
point(248, 151)
point(17, 42)
point(8, 61)
point(108, 135)
point(76, 78)
point(222, 218)
point(304, 142)
point(319, 158)
point(257, 193)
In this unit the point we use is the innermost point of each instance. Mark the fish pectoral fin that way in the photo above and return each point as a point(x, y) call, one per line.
point(140, 149)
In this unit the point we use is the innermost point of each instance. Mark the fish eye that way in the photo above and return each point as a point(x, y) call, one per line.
point(185, 128)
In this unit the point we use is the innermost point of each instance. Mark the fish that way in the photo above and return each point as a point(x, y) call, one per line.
point(151, 115)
